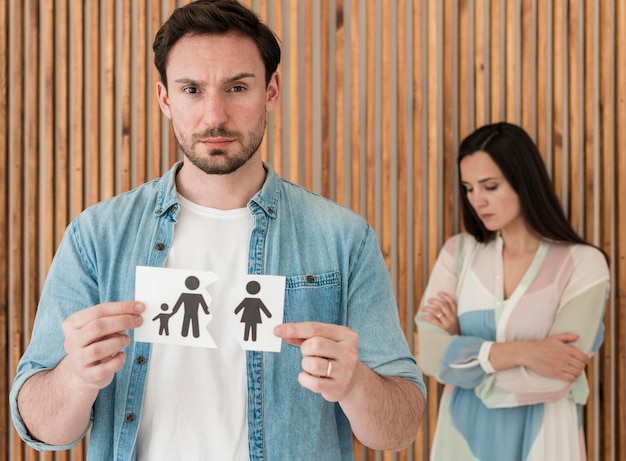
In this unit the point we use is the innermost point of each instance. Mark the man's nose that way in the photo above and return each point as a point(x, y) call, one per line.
point(215, 109)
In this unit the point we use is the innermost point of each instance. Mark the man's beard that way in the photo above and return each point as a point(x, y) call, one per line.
point(218, 161)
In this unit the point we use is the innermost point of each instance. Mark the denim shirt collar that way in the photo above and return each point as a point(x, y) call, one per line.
point(265, 199)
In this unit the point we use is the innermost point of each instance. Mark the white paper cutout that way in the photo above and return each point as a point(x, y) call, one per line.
point(163, 290)
point(258, 305)
point(245, 310)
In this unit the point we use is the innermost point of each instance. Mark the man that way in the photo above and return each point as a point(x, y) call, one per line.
point(346, 367)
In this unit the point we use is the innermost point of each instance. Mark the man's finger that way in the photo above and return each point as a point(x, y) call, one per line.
point(306, 330)
point(81, 318)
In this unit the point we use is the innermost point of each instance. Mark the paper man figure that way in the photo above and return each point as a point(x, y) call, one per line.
point(252, 308)
point(192, 302)
point(164, 318)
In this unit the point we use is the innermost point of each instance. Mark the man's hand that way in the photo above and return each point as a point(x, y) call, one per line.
point(384, 412)
point(330, 354)
point(95, 338)
point(56, 404)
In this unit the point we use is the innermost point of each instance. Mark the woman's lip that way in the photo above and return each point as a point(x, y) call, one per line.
point(486, 216)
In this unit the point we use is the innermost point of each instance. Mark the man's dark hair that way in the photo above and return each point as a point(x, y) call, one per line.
point(518, 157)
point(204, 17)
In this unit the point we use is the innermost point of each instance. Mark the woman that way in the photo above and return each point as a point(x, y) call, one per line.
point(512, 312)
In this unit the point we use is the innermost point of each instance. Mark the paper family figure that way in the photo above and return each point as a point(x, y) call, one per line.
point(164, 319)
point(191, 303)
point(252, 308)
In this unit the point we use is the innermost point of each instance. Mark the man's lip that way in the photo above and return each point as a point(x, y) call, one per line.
point(217, 142)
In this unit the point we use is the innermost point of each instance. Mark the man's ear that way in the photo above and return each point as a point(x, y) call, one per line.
point(273, 92)
point(164, 101)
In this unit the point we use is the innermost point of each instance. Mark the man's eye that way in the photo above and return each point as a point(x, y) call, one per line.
point(237, 89)
point(190, 90)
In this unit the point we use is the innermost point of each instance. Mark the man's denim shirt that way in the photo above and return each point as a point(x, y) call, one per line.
point(335, 274)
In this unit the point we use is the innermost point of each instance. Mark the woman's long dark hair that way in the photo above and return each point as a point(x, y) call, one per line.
point(518, 157)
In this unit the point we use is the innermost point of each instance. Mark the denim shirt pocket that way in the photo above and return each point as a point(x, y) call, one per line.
point(313, 297)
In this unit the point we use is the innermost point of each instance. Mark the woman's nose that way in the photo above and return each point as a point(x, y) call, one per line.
point(478, 199)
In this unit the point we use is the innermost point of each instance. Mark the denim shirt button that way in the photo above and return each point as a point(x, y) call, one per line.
point(310, 278)
point(160, 246)
point(130, 417)
point(140, 360)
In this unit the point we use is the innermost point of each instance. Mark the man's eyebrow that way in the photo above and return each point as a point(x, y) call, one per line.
point(187, 81)
point(234, 78)
point(240, 76)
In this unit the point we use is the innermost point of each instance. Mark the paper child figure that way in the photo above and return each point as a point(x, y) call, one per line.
point(252, 308)
point(164, 318)
point(192, 302)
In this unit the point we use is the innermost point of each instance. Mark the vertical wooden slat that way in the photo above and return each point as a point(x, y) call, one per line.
point(278, 115)
point(6, 352)
point(528, 71)
point(14, 178)
point(619, 225)
point(60, 117)
point(384, 155)
point(431, 180)
point(306, 52)
point(107, 95)
point(400, 175)
point(406, 179)
point(341, 63)
point(123, 34)
point(497, 30)
point(481, 58)
point(354, 52)
point(543, 75)
point(449, 110)
point(139, 85)
point(75, 101)
point(92, 93)
point(589, 74)
point(420, 173)
point(432, 132)
point(31, 167)
point(463, 64)
point(575, 109)
point(512, 19)
point(369, 123)
point(327, 54)
point(558, 88)
point(292, 37)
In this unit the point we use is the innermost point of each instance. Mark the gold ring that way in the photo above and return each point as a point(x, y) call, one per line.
point(329, 370)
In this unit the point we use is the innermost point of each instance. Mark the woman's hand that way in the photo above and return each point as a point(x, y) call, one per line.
point(442, 312)
point(555, 358)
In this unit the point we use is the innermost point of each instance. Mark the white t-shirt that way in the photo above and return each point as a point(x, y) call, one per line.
point(195, 399)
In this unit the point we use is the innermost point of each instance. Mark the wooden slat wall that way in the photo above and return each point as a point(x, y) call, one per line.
point(377, 95)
